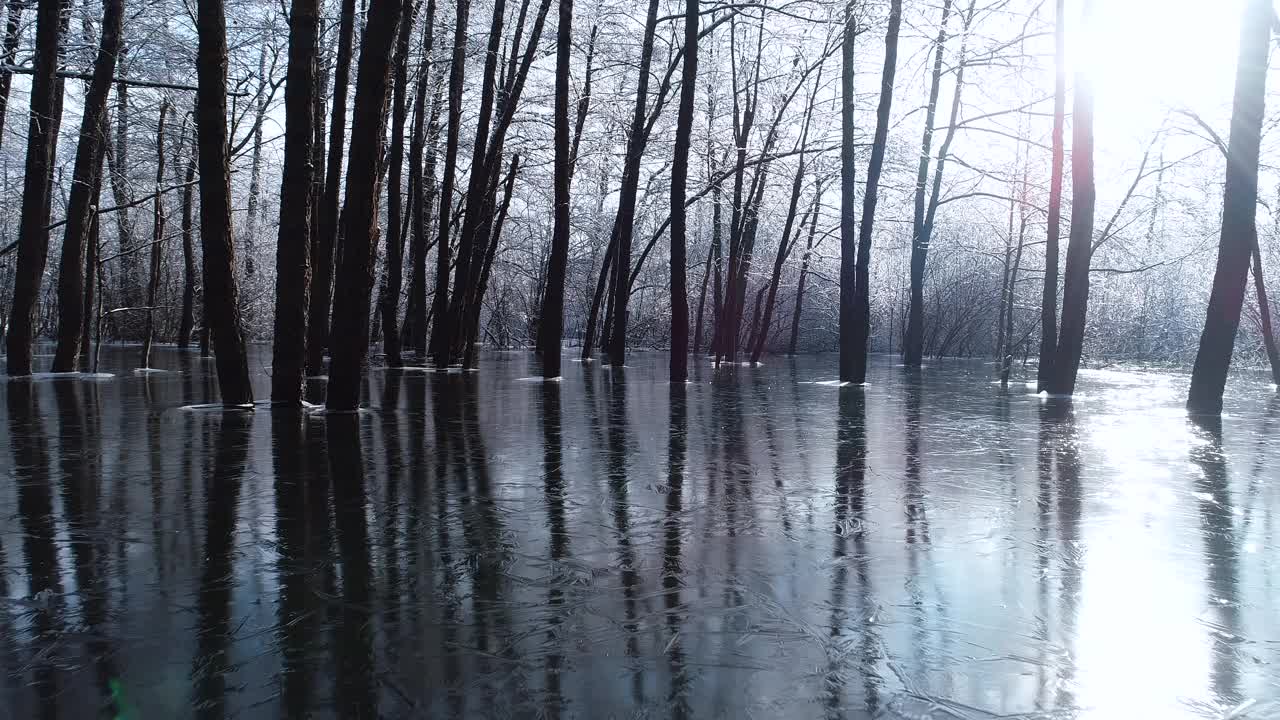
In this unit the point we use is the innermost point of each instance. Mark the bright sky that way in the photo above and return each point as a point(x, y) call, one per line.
point(1147, 56)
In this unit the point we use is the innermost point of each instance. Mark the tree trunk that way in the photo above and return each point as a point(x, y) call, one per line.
point(415, 316)
point(848, 198)
point(551, 325)
point(804, 276)
point(293, 245)
point(757, 342)
point(606, 269)
point(1006, 351)
point(33, 233)
point(221, 293)
point(1075, 297)
point(1239, 221)
point(1264, 313)
point(743, 121)
point(393, 268)
point(441, 330)
point(9, 54)
point(624, 226)
point(679, 180)
point(477, 183)
point(702, 301)
point(914, 341)
point(321, 293)
point(122, 192)
point(314, 240)
point(472, 327)
point(72, 277)
point(1049, 299)
point(157, 244)
point(477, 220)
point(785, 247)
point(255, 163)
point(862, 271)
point(187, 322)
point(717, 251)
point(360, 211)
point(92, 274)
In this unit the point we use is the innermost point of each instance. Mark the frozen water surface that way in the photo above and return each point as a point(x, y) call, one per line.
point(757, 543)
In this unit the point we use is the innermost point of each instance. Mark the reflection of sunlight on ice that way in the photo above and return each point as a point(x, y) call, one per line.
point(1139, 653)
point(1136, 643)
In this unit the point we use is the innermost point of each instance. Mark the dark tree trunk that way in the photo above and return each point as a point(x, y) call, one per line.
point(92, 275)
point(121, 191)
point(744, 112)
point(1239, 221)
point(1075, 297)
point(862, 271)
point(606, 269)
point(1007, 347)
point(473, 319)
point(354, 280)
point(913, 344)
point(477, 220)
point(314, 240)
point(33, 233)
point(293, 245)
point(702, 300)
point(551, 325)
point(187, 322)
point(1264, 315)
point(9, 54)
point(717, 251)
point(72, 277)
point(1049, 299)
point(255, 162)
point(754, 330)
point(848, 198)
point(804, 276)
point(584, 102)
point(221, 294)
point(785, 246)
point(321, 292)
point(477, 184)
point(415, 316)
point(679, 181)
point(393, 269)
point(441, 330)
point(624, 226)
point(157, 245)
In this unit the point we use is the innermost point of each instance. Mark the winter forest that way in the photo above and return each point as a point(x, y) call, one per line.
point(953, 178)
point(639, 358)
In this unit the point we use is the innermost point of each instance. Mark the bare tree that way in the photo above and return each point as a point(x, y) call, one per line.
point(157, 244)
point(221, 292)
point(360, 211)
point(1075, 297)
point(551, 326)
point(9, 53)
point(1049, 299)
point(85, 180)
point(1239, 221)
point(679, 179)
point(33, 233)
point(393, 269)
point(293, 247)
point(848, 198)
point(321, 291)
point(862, 270)
point(440, 331)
